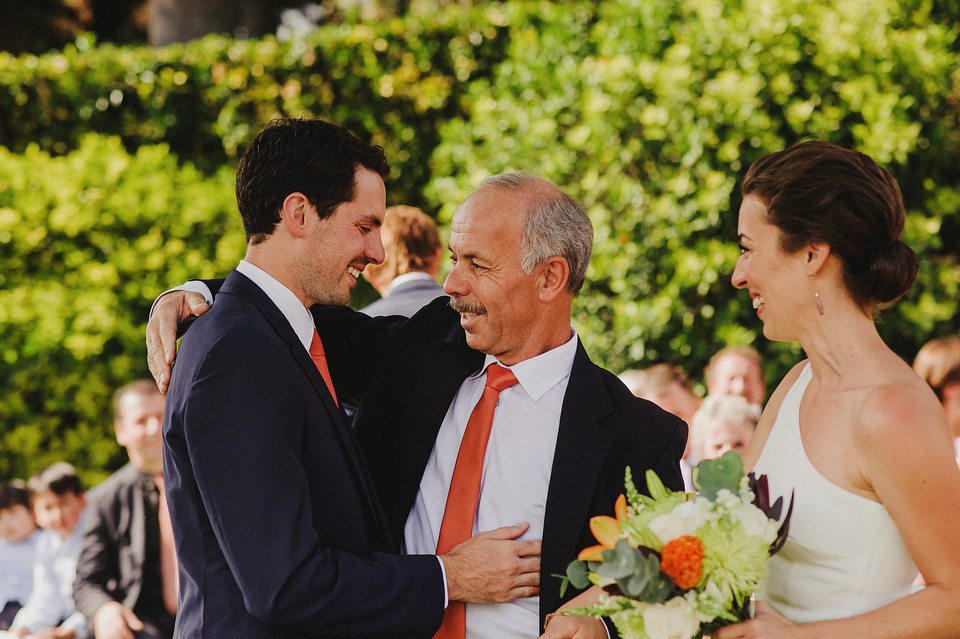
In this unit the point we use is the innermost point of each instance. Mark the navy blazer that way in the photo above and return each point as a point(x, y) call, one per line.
point(405, 375)
point(277, 527)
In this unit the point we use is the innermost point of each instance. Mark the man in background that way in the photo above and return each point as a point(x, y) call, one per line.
point(737, 370)
point(406, 279)
point(938, 363)
point(126, 582)
point(670, 388)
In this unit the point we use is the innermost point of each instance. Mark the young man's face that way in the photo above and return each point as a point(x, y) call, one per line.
point(16, 523)
point(59, 513)
point(339, 247)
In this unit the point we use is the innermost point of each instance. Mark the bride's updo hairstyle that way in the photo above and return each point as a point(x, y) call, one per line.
point(817, 192)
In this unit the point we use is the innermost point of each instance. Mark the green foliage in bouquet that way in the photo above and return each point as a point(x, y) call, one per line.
point(684, 561)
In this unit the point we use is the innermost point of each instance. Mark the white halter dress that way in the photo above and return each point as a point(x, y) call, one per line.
point(844, 555)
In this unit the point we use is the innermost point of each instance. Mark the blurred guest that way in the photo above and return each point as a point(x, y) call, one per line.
point(18, 539)
point(126, 582)
point(667, 386)
point(670, 388)
point(406, 279)
point(59, 506)
point(737, 370)
point(724, 422)
point(938, 363)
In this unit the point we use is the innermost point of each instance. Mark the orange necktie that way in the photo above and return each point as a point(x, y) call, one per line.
point(461, 508)
point(320, 360)
point(168, 554)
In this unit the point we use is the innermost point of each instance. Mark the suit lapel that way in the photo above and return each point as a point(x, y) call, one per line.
point(582, 447)
point(240, 285)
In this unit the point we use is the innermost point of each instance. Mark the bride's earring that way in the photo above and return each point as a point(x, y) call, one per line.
point(816, 294)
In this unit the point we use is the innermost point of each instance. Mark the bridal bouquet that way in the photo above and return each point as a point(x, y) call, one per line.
point(680, 565)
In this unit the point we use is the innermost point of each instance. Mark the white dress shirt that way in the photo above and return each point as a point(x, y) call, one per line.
point(516, 474)
point(54, 571)
point(289, 304)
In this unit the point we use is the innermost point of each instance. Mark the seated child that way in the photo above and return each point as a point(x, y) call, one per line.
point(18, 538)
point(58, 504)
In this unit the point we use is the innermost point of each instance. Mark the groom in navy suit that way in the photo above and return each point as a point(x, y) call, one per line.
point(277, 526)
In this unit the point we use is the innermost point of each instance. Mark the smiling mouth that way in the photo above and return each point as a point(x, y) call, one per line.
point(757, 302)
point(355, 272)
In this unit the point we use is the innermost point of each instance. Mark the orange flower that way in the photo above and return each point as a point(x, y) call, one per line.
point(607, 530)
point(682, 561)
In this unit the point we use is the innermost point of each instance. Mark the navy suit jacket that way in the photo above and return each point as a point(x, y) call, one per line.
point(405, 375)
point(406, 298)
point(278, 530)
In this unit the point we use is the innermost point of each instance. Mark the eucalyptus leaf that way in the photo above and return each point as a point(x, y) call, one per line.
point(712, 475)
point(577, 574)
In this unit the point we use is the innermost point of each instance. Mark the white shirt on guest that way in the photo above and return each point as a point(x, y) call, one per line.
point(516, 474)
point(54, 571)
point(412, 276)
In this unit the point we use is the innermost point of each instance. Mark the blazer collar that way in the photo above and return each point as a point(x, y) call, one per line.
point(582, 447)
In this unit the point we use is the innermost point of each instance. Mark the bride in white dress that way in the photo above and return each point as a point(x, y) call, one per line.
point(853, 432)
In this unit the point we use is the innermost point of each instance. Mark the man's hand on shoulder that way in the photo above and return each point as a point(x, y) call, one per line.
point(493, 567)
point(169, 310)
point(114, 621)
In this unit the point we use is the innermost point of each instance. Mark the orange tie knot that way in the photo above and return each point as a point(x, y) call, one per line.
point(500, 378)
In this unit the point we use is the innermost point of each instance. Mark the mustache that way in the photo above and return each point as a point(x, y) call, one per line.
point(461, 306)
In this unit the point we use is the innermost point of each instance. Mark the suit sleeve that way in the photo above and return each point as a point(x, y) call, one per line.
point(360, 348)
point(246, 456)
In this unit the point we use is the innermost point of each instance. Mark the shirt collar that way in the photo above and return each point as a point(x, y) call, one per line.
point(539, 374)
point(286, 300)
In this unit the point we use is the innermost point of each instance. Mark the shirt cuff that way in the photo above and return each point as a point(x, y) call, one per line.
point(446, 590)
point(193, 286)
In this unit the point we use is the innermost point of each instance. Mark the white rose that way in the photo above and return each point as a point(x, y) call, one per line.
point(755, 523)
point(684, 519)
point(674, 619)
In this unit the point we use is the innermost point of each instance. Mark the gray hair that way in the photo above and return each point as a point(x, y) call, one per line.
point(730, 409)
point(556, 225)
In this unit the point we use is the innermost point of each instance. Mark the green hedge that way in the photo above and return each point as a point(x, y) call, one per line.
point(86, 242)
point(393, 83)
point(648, 111)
